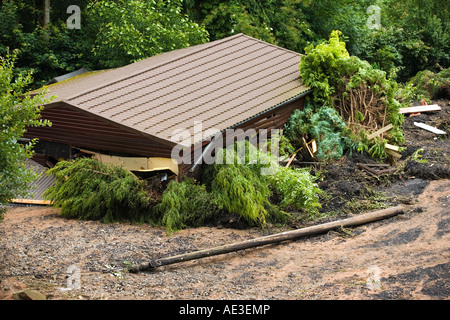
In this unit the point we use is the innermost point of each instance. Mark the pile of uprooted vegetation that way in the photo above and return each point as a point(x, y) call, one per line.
point(351, 101)
point(88, 189)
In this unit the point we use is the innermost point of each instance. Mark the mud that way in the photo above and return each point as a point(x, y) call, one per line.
point(404, 257)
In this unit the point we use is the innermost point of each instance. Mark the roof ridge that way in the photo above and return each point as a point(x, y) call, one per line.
point(271, 44)
point(204, 46)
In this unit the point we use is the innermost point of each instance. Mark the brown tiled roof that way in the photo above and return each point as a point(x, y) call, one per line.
point(220, 83)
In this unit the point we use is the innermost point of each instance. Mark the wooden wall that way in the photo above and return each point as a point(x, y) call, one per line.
point(77, 129)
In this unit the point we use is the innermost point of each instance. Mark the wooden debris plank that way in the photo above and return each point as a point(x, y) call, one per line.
point(427, 108)
point(30, 201)
point(291, 159)
point(393, 153)
point(293, 156)
point(313, 145)
point(305, 144)
point(391, 147)
point(378, 132)
point(429, 128)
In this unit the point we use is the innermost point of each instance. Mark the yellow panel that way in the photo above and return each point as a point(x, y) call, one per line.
point(139, 164)
point(163, 163)
point(129, 163)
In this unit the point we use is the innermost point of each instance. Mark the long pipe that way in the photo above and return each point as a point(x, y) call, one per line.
point(275, 238)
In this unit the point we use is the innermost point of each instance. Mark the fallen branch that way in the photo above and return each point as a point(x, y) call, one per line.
point(368, 169)
point(272, 239)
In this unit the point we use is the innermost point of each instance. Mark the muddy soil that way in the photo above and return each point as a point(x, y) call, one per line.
point(404, 257)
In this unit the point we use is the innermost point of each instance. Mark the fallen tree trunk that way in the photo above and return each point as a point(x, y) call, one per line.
point(275, 238)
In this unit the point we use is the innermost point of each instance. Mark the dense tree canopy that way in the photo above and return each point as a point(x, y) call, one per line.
point(112, 34)
point(413, 36)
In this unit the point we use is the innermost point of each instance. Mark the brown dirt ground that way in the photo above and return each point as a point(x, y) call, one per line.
point(404, 257)
point(409, 252)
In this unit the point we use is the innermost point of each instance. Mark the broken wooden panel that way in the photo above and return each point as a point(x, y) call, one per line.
point(37, 187)
point(378, 132)
point(415, 109)
point(429, 128)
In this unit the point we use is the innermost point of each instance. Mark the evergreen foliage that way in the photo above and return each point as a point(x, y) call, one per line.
point(89, 190)
point(297, 187)
point(184, 204)
point(245, 184)
point(322, 124)
point(239, 190)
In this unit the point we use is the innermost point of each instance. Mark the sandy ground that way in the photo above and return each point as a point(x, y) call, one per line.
point(404, 257)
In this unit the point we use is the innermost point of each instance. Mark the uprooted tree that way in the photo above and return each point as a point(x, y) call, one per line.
point(363, 96)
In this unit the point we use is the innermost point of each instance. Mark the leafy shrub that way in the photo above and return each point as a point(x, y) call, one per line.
point(297, 188)
point(431, 85)
point(184, 203)
point(16, 114)
point(89, 190)
point(243, 187)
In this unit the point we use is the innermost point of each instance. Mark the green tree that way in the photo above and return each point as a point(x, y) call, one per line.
point(414, 36)
point(292, 24)
point(47, 51)
point(17, 112)
point(112, 34)
point(89, 190)
point(128, 31)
